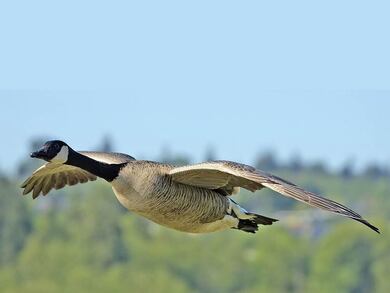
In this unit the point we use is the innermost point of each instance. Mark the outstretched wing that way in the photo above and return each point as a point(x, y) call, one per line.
point(52, 175)
point(226, 175)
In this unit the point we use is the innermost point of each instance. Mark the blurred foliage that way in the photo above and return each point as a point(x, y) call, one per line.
point(81, 239)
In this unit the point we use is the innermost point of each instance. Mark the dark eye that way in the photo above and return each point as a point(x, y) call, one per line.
point(56, 146)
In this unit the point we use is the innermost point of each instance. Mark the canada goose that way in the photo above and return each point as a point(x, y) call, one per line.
point(194, 198)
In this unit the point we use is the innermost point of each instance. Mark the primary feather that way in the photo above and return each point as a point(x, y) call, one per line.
point(225, 174)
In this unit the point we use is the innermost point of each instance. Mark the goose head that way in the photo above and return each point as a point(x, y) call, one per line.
point(55, 151)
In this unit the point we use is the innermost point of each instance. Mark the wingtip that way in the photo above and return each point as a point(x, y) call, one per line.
point(34, 196)
point(372, 227)
point(26, 190)
point(376, 229)
point(24, 184)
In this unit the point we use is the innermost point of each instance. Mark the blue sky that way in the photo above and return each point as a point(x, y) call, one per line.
point(243, 76)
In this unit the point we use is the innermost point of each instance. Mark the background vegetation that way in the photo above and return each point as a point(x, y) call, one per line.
point(80, 239)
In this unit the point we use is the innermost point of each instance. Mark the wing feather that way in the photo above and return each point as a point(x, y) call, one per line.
point(226, 174)
point(57, 176)
point(46, 185)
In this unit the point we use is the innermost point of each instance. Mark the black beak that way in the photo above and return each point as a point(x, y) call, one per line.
point(41, 154)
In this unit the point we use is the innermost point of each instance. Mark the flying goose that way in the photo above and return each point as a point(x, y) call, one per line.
point(194, 198)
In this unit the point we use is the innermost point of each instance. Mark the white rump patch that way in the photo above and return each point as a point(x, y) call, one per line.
point(240, 212)
point(62, 155)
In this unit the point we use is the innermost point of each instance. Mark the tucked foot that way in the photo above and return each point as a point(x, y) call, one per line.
point(248, 222)
point(252, 225)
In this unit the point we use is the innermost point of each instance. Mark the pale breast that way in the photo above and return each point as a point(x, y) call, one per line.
point(132, 198)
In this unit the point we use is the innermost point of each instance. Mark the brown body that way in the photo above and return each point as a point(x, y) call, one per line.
point(147, 189)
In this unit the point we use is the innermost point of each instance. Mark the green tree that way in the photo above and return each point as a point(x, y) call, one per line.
point(15, 222)
point(342, 261)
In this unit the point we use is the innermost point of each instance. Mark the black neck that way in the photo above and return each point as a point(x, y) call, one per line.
point(106, 171)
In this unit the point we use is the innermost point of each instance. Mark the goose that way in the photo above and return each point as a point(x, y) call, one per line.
point(195, 198)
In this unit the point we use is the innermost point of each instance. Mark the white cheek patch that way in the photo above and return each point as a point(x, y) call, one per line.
point(62, 155)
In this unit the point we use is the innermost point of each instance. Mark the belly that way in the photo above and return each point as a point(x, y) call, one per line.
point(226, 222)
point(180, 223)
point(194, 212)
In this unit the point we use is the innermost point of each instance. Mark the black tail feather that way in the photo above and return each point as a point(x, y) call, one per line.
point(259, 219)
point(252, 225)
